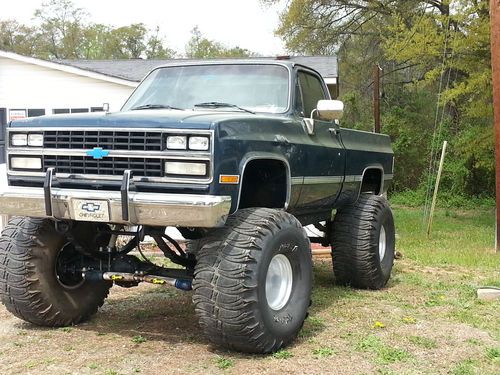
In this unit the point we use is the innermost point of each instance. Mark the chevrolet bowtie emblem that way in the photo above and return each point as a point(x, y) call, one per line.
point(91, 207)
point(97, 153)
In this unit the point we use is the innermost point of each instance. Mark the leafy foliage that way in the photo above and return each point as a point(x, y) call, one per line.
point(62, 32)
point(200, 47)
point(436, 82)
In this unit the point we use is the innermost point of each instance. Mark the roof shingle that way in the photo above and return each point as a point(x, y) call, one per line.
point(136, 69)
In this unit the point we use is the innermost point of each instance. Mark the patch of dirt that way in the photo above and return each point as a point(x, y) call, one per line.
point(446, 270)
point(153, 330)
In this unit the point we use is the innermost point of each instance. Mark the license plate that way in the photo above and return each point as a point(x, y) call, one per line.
point(91, 210)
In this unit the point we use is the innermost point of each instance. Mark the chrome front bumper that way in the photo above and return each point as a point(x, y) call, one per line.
point(184, 210)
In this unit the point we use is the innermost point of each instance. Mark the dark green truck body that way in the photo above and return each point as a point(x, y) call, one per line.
point(277, 161)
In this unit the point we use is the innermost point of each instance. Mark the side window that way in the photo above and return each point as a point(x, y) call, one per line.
point(298, 100)
point(312, 91)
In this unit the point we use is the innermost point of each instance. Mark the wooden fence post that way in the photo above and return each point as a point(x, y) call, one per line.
point(436, 188)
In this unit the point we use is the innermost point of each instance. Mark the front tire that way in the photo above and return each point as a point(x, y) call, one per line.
point(363, 243)
point(253, 280)
point(32, 286)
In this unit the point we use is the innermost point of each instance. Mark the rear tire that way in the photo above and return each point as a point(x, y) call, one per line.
point(31, 250)
point(253, 281)
point(363, 243)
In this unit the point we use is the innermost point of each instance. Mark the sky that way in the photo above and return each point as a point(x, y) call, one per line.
point(243, 23)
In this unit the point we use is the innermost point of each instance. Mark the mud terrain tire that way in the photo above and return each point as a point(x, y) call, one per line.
point(253, 281)
point(29, 286)
point(363, 242)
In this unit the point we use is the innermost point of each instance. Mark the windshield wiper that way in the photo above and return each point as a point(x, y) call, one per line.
point(155, 106)
point(221, 104)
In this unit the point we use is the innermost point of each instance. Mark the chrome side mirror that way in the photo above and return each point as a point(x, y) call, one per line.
point(329, 110)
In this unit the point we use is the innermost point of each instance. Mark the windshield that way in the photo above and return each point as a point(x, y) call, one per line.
point(258, 88)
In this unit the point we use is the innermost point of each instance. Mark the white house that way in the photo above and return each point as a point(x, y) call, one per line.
point(33, 87)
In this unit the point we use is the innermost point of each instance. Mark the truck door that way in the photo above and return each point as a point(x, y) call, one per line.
point(324, 154)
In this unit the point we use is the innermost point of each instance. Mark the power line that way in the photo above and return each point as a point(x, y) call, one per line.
point(436, 132)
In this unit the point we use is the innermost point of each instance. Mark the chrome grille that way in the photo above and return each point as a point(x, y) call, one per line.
point(107, 139)
point(70, 151)
point(109, 166)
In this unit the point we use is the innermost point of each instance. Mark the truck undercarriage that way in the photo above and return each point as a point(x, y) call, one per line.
point(102, 259)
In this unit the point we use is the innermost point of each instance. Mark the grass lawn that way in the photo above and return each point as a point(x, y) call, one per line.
point(427, 321)
point(458, 238)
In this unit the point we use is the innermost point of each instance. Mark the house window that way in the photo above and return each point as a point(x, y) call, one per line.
point(35, 112)
point(58, 111)
point(79, 110)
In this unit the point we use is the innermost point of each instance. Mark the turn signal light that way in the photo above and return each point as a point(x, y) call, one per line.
point(229, 179)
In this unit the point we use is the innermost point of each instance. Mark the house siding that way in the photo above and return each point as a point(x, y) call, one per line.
point(25, 86)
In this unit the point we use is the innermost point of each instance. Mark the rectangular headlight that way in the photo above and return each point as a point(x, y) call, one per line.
point(177, 142)
point(19, 139)
point(198, 143)
point(182, 168)
point(25, 163)
point(35, 140)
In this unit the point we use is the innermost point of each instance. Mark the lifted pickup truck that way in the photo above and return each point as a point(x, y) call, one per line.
point(239, 156)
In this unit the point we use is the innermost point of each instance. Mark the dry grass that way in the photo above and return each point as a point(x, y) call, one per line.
point(427, 321)
point(422, 329)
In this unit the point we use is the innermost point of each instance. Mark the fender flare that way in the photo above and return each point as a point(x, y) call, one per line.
point(372, 167)
point(251, 156)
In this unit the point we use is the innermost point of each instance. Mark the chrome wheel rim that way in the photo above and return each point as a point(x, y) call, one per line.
point(279, 280)
point(382, 243)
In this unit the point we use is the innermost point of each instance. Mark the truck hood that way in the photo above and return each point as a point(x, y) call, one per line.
point(152, 118)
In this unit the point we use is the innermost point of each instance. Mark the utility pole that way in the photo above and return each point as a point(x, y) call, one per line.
point(376, 97)
point(495, 65)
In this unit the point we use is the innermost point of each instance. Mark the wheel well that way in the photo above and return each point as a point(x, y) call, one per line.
point(372, 181)
point(264, 184)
